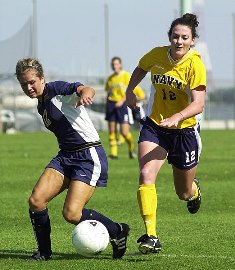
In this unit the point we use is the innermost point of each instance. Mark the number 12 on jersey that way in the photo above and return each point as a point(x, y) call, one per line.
point(168, 95)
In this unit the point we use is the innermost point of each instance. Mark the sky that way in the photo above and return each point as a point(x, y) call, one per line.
point(71, 32)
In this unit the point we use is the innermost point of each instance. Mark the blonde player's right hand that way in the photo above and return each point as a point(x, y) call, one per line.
point(131, 100)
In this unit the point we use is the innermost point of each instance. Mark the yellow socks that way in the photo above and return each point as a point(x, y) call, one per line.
point(113, 144)
point(147, 199)
point(121, 139)
point(130, 142)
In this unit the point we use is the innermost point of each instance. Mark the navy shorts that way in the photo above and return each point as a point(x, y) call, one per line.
point(89, 165)
point(182, 145)
point(113, 114)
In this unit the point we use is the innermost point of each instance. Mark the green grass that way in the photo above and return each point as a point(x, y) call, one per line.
point(202, 241)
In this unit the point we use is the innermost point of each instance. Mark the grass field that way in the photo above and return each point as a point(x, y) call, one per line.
point(203, 241)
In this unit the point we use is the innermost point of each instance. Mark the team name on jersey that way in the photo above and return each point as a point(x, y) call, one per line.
point(167, 80)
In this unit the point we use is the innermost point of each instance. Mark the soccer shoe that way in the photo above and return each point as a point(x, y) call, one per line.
point(194, 205)
point(132, 155)
point(113, 157)
point(149, 244)
point(119, 243)
point(37, 256)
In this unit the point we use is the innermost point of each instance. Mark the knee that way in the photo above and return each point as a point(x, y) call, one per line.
point(147, 176)
point(36, 202)
point(71, 216)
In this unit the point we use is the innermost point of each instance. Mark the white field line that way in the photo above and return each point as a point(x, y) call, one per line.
point(198, 256)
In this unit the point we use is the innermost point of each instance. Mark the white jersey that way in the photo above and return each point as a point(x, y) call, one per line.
point(71, 125)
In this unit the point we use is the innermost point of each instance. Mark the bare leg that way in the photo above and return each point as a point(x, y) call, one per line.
point(74, 212)
point(151, 159)
point(183, 180)
point(49, 185)
point(78, 195)
point(187, 188)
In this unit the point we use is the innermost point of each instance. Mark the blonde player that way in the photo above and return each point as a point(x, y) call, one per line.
point(116, 108)
point(80, 165)
point(170, 132)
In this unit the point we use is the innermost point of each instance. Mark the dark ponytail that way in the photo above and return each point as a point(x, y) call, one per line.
point(187, 19)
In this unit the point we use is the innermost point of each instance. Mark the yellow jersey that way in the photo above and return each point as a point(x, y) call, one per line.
point(173, 82)
point(139, 92)
point(116, 86)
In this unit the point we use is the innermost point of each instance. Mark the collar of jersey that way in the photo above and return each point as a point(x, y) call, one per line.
point(177, 62)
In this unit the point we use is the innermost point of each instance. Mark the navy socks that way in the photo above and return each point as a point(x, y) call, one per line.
point(112, 227)
point(42, 229)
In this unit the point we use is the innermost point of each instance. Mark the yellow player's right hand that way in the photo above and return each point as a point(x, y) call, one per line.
point(131, 100)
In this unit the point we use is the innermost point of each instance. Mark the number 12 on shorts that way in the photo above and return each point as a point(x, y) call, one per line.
point(190, 156)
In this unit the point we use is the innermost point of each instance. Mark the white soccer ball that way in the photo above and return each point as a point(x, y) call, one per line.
point(90, 237)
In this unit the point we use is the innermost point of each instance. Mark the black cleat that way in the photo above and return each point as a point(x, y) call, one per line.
point(194, 205)
point(132, 155)
point(149, 244)
point(119, 243)
point(37, 256)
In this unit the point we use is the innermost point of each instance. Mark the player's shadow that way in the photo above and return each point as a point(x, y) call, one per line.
point(14, 254)
point(138, 257)
point(74, 256)
point(24, 255)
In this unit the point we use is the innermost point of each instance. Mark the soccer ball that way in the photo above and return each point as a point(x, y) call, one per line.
point(90, 237)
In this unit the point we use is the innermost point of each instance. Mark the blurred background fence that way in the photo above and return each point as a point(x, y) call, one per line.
point(19, 112)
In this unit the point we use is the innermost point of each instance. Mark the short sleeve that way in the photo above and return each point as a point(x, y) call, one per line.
point(127, 78)
point(198, 73)
point(147, 61)
point(139, 92)
point(63, 88)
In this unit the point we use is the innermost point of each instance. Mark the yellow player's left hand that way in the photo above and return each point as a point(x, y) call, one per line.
point(172, 121)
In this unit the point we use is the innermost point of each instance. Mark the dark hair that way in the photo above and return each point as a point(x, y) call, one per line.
point(116, 58)
point(29, 64)
point(187, 19)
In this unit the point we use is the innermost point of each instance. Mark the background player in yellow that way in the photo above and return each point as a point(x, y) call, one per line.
point(116, 108)
point(136, 114)
point(179, 79)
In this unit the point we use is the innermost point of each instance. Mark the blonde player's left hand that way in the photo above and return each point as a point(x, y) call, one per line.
point(172, 121)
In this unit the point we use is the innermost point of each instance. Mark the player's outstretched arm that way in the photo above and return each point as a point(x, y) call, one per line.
point(136, 77)
point(86, 94)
